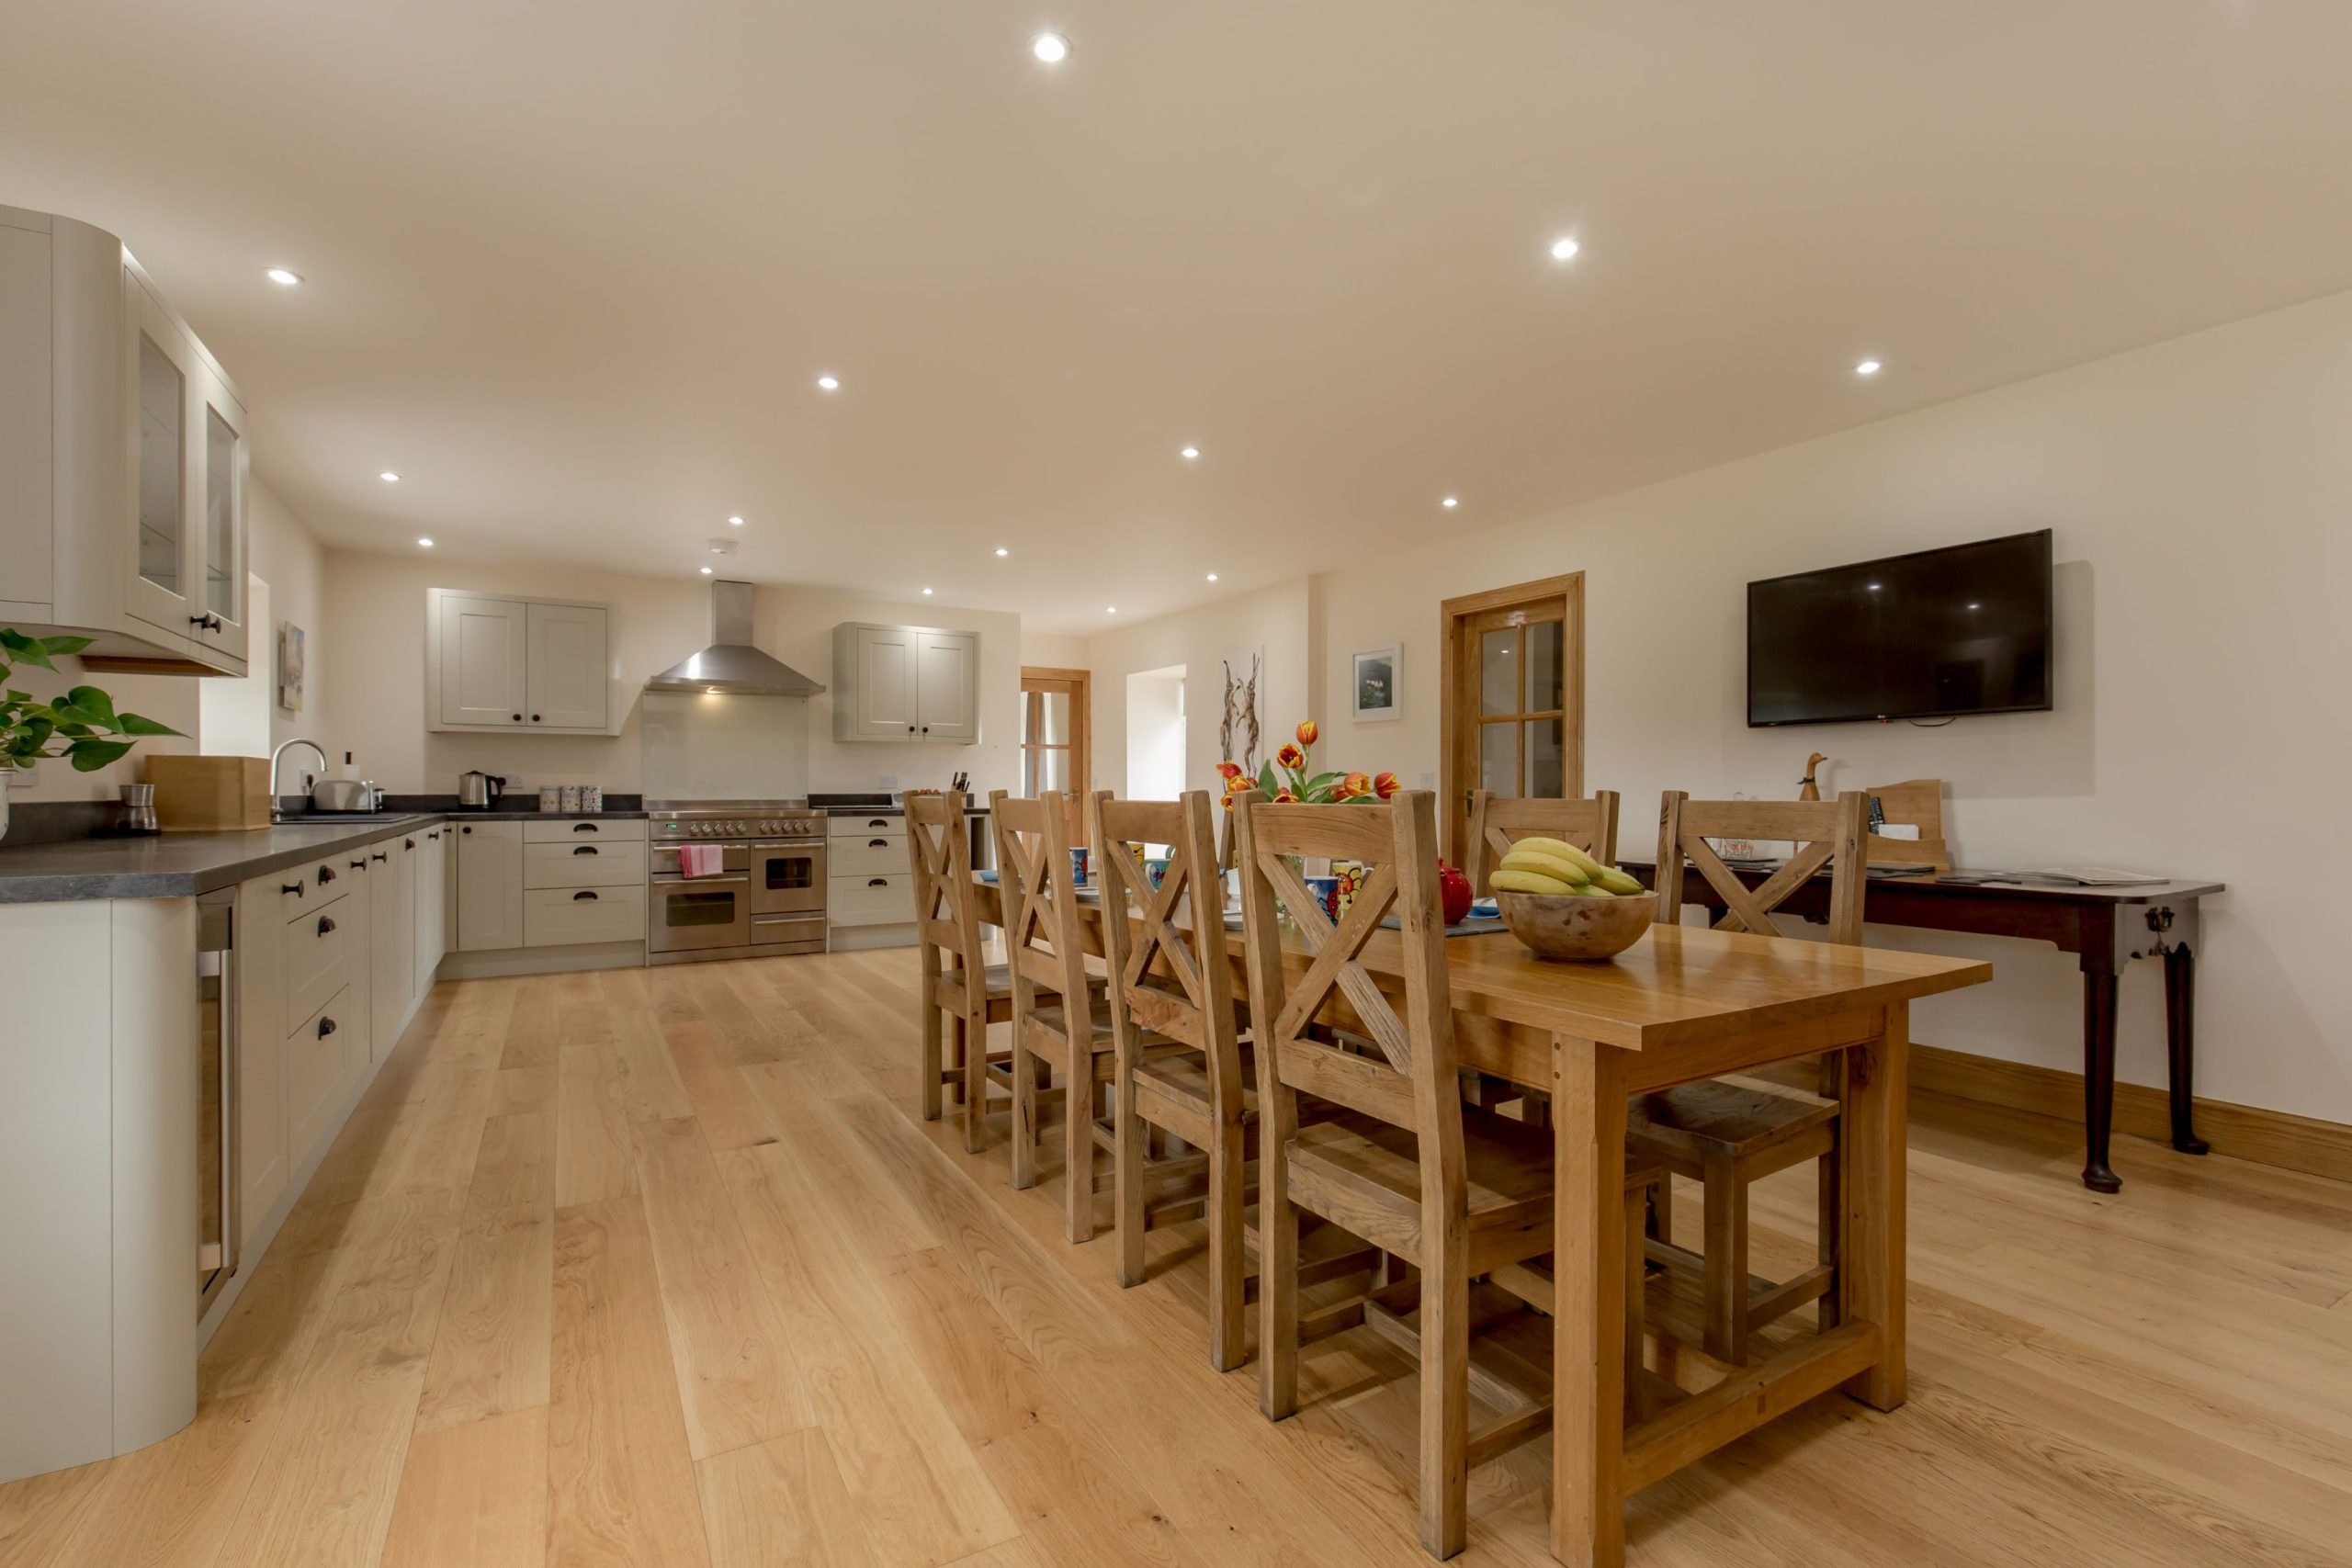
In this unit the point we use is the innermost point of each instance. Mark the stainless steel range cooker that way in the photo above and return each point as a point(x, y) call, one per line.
point(769, 898)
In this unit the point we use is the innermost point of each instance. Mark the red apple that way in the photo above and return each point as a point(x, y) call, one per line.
point(1454, 889)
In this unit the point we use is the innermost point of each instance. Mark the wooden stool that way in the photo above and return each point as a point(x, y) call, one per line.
point(1728, 1134)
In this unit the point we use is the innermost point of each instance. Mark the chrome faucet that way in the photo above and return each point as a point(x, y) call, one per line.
point(275, 814)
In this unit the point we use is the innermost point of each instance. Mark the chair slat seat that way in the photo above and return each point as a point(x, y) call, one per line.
point(1721, 1117)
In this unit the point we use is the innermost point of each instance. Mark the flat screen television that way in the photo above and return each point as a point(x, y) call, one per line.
point(1937, 635)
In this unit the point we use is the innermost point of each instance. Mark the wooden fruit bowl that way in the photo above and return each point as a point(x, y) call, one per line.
point(1562, 926)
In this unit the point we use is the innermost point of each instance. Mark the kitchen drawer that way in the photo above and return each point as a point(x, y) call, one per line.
point(555, 917)
point(873, 900)
point(584, 865)
point(873, 856)
point(874, 824)
point(310, 886)
point(317, 956)
point(585, 831)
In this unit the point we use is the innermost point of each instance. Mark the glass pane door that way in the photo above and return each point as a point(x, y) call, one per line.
point(1522, 724)
point(223, 521)
point(162, 462)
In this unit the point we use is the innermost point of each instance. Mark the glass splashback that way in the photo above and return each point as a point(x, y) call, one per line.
point(699, 747)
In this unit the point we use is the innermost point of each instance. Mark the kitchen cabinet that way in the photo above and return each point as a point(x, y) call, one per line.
point(326, 947)
point(124, 459)
point(906, 684)
point(510, 663)
point(490, 885)
point(435, 847)
point(391, 947)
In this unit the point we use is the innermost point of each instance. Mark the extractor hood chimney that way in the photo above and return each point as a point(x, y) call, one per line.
point(731, 665)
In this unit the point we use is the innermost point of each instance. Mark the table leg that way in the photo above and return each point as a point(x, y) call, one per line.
point(1873, 1128)
point(2098, 1076)
point(2180, 1041)
point(1588, 1316)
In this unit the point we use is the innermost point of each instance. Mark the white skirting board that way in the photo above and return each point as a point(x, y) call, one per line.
point(496, 963)
point(850, 939)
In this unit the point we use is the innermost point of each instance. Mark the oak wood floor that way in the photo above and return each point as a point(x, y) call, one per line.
point(658, 1266)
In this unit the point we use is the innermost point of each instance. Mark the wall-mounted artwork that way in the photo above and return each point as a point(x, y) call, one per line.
point(1240, 726)
point(1375, 691)
point(289, 667)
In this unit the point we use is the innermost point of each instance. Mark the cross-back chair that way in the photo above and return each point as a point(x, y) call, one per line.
point(1498, 821)
point(1059, 1021)
point(1728, 1134)
point(966, 993)
point(1457, 1190)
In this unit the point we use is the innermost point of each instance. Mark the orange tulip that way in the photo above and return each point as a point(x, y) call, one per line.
point(1238, 782)
point(1291, 757)
point(1352, 786)
point(1385, 784)
point(1307, 733)
point(1286, 797)
point(1230, 771)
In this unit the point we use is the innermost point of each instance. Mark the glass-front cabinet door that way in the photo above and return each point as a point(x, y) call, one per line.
point(189, 460)
point(222, 541)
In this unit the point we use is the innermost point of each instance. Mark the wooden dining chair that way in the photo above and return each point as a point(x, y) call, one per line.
point(1498, 821)
point(1457, 1190)
point(962, 993)
point(1060, 1019)
point(1726, 1134)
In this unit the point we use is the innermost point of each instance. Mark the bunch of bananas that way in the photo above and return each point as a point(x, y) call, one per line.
point(1550, 865)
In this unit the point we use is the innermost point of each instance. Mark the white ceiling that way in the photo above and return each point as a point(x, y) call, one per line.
point(573, 268)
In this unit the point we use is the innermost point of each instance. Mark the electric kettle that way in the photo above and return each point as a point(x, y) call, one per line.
point(477, 788)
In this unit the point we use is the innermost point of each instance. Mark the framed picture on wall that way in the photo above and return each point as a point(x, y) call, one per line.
point(289, 667)
point(1374, 692)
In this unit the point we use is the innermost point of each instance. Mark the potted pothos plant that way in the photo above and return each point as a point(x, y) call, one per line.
point(82, 726)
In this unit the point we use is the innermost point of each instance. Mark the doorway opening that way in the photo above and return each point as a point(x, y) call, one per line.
point(1156, 734)
point(1512, 708)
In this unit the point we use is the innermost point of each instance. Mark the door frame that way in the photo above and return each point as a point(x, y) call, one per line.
point(1458, 688)
point(1081, 736)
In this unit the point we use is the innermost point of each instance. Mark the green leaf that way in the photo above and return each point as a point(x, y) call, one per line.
point(89, 755)
point(91, 700)
point(64, 647)
point(1323, 781)
point(140, 724)
point(1266, 779)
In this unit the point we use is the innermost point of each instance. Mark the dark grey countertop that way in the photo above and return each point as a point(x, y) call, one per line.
point(888, 811)
point(179, 866)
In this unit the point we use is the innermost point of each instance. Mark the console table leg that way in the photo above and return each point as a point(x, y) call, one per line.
point(2098, 1079)
point(2180, 1041)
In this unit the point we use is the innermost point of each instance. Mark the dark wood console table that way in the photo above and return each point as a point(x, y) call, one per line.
point(2108, 927)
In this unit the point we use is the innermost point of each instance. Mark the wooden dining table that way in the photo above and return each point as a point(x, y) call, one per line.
point(1682, 1004)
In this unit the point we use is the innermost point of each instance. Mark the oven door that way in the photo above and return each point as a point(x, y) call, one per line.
point(695, 914)
point(789, 879)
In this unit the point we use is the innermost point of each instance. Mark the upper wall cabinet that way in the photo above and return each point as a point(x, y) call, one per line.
point(123, 459)
point(494, 663)
point(906, 684)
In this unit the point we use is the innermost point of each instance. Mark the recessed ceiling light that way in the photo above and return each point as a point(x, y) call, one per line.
point(1450, 501)
point(926, 593)
point(1189, 452)
point(1973, 606)
point(1871, 586)
point(706, 571)
point(1867, 368)
point(1051, 48)
point(828, 383)
point(1565, 249)
point(1002, 551)
point(1212, 577)
point(1111, 609)
point(389, 476)
point(283, 276)
point(735, 522)
point(427, 544)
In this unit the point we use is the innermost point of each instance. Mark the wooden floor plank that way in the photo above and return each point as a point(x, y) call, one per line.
point(621, 1489)
point(474, 1496)
point(491, 1351)
point(592, 1162)
point(782, 1503)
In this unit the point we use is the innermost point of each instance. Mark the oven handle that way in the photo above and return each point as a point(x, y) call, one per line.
point(701, 881)
point(791, 844)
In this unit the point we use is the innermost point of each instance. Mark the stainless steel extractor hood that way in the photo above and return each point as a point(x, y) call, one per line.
point(731, 665)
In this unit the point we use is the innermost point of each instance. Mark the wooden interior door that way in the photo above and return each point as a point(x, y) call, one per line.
point(1512, 712)
point(1055, 740)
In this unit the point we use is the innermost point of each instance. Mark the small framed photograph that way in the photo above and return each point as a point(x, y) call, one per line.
point(1374, 692)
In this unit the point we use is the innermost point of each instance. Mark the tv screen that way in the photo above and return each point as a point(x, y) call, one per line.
point(1960, 630)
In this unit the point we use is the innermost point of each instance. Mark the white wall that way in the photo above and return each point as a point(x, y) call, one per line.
point(2200, 491)
point(283, 554)
point(375, 676)
point(1045, 650)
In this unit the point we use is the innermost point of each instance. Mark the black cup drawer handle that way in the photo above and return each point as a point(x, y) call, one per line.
point(583, 896)
point(878, 844)
point(326, 1027)
point(879, 881)
point(326, 924)
point(583, 827)
point(583, 848)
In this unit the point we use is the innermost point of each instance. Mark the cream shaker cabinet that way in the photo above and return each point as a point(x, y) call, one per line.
point(124, 458)
point(490, 885)
point(494, 663)
point(906, 684)
point(435, 847)
point(391, 936)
